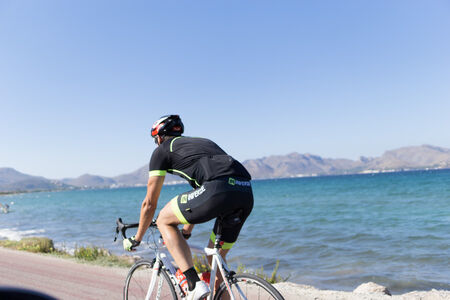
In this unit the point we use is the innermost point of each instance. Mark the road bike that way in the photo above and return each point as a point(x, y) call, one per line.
point(157, 278)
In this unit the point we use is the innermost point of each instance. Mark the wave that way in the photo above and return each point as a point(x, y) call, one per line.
point(16, 235)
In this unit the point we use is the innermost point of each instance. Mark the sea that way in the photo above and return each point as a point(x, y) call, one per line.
point(331, 232)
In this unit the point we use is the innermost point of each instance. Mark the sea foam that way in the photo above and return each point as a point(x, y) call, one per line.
point(16, 235)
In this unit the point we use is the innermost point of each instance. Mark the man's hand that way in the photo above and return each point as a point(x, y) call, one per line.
point(130, 244)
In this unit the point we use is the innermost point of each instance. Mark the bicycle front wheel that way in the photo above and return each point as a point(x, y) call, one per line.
point(138, 282)
point(249, 287)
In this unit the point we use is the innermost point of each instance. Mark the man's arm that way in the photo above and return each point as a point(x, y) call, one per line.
point(148, 207)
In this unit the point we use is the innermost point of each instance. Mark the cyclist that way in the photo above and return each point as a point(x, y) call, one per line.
point(221, 189)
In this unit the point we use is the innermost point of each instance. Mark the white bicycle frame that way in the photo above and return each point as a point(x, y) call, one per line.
point(218, 262)
point(160, 257)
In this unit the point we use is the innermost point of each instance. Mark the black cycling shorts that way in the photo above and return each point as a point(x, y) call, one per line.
point(227, 198)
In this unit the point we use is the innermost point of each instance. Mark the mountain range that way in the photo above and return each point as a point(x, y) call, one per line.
point(275, 166)
point(298, 165)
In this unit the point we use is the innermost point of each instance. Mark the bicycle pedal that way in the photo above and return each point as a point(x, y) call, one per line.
point(230, 274)
point(231, 277)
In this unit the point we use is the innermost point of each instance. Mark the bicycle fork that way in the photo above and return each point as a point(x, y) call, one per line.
point(160, 260)
point(155, 271)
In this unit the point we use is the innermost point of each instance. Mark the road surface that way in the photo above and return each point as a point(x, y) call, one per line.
point(60, 278)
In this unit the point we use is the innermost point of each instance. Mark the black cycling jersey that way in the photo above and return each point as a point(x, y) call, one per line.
point(196, 159)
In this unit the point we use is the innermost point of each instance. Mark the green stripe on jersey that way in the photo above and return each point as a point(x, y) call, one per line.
point(185, 175)
point(157, 173)
point(171, 143)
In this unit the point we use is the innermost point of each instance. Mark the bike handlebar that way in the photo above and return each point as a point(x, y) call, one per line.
point(122, 227)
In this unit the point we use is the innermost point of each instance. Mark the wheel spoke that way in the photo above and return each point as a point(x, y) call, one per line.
point(139, 279)
point(249, 287)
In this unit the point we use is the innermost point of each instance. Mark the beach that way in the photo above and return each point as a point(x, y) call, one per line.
point(69, 279)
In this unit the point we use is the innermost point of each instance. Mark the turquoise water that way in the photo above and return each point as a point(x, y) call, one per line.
point(331, 232)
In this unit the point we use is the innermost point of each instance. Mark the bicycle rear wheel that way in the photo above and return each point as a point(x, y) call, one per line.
point(250, 287)
point(138, 282)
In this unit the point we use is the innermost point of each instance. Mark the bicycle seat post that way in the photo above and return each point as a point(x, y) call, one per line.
point(218, 241)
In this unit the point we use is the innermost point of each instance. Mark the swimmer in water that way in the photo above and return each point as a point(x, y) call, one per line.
point(5, 208)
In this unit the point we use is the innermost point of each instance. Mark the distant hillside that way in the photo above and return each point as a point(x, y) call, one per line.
point(424, 156)
point(88, 180)
point(135, 178)
point(140, 177)
point(12, 180)
point(275, 166)
point(295, 164)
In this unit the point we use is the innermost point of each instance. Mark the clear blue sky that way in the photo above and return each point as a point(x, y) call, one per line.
point(81, 82)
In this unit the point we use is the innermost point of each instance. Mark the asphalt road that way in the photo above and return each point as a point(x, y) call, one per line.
point(60, 278)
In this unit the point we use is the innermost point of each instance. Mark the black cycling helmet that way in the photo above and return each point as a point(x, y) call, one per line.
point(168, 125)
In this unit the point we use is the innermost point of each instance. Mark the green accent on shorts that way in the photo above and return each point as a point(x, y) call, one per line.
point(185, 175)
point(231, 181)
point(157, 173)
point(176, 210)
point(225, 245)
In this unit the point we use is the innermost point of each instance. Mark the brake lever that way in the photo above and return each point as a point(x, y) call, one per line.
point(118, 222)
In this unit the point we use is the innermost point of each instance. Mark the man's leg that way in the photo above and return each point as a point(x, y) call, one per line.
point(179, 249)
point(168, 222)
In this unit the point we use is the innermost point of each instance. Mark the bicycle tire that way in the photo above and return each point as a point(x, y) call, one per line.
point(252, 286)
point(138, 281)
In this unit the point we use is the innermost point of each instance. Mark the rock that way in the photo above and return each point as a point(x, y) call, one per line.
point(135, 258)
point(104, 252)
point(130, 259)
point(372, 288)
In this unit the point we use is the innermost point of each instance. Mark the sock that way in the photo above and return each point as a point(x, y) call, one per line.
point(191, 277)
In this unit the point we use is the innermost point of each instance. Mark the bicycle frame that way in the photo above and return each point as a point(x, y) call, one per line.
point(155, 271)
point(218, 262)
point(160, 261)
